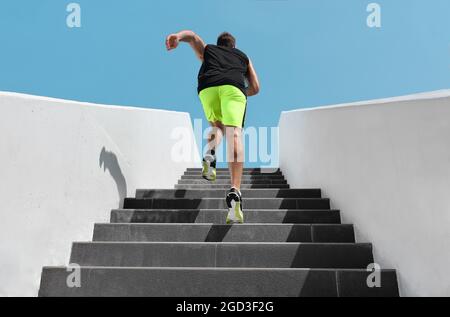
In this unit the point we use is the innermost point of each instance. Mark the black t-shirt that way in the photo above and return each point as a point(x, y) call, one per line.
point(223, 66)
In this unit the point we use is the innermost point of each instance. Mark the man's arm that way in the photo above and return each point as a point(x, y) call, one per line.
point(253, 81)
point(196, 42)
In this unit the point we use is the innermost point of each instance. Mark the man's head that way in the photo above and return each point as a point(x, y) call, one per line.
point(227, 40)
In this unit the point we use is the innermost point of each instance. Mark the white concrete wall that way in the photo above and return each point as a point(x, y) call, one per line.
point(64, 165)
point(386, 165)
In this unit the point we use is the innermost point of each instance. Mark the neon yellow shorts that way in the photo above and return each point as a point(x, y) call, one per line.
point(226, 104)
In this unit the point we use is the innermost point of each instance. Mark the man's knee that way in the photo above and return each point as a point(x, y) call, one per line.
point(217, 124)
point(233, 132)
point(234, 136)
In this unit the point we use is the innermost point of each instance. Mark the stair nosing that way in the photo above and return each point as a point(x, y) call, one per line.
point(216, 209)
point(356, 244)
point(213, 224)
point(218, 198)
point(189, 268)
point(212, 189)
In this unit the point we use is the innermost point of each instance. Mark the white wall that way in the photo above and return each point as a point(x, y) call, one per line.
point(386, 165)
point(64, 166)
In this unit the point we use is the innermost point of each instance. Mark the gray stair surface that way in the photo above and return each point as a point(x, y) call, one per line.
point(227, 182)
point(245, 174)
point(216, 282)
point(246, 169)
point(175, 243)
point(219, 216)
point(219, 203)
point(222, 254)
point(244, 177)
point(220, 193)
point(227, 186)
point(174, 232)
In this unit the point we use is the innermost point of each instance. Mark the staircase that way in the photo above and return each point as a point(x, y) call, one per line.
point(175, 243)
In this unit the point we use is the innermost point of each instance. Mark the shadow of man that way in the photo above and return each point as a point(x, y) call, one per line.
point(108, 160)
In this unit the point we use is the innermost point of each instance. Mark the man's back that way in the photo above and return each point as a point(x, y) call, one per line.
point(223, 66)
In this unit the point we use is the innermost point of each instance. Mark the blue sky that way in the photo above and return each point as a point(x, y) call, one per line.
point(307, 52)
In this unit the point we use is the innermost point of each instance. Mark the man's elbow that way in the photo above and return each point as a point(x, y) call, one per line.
point(194, 37)
point(189, 36)
point(252, 91)
point(256, 89)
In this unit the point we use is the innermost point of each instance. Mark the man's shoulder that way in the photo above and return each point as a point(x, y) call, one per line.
point(235, 50)
point(212, 46)
point(240, 52)
point(217, 48)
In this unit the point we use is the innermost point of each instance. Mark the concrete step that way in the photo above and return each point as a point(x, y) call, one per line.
point(244, 177)
point(223, 233)
point(227, 182)
point(220, 193)
point(219, 216)
point(220, 203)
point(215, 282)
point(224, 186)
point(246, 169)
point(205, 254)
point(244, 173)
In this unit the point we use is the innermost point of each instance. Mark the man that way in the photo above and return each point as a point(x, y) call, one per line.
point(223, 91)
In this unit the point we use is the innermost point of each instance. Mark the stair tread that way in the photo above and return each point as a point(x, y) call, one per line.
point(259, 244)
point(202, 282)
point(225, 186)
point(221, 210)
point(212, 189)
point(245, 169)
point(217, 216)
point(224, 225)
point(176, 268)
point(221, 193)
point(219, 203)
point(223, 254)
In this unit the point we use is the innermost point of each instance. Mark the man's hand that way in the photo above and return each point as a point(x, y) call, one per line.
point(195, 41)
point(172, 42)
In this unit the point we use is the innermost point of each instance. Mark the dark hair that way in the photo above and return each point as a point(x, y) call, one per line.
point(227, 40)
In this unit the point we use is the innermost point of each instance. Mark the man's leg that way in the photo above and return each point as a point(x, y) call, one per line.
point(215, 136)
point(209, 160)
point(233, 104)
point(235, 153)
point(211, 105)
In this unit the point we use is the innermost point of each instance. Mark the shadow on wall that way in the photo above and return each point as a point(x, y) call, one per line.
point(108, 160)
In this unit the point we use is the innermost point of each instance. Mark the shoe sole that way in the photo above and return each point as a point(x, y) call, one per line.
point(235, 214)
point(208, 173)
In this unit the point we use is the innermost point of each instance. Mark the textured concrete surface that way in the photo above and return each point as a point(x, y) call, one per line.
point(183, 254)
point(219, 203)
point(219, 216)
point(223, 233)
point(211, 193)
point(208, 282)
